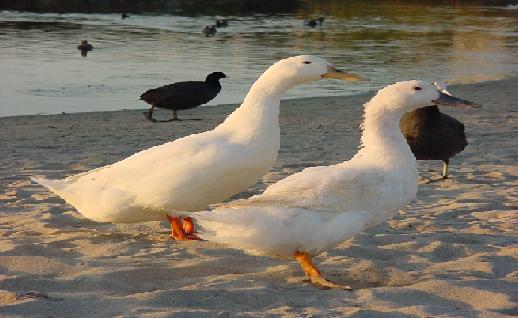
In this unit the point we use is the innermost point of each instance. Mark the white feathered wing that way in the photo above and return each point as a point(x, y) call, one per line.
point(309, 211)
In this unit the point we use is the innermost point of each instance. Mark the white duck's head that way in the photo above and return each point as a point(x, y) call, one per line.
point(406, 96)
point(307, 68)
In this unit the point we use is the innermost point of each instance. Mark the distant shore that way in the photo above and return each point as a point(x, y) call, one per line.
point(145, 6)
point(192, 6)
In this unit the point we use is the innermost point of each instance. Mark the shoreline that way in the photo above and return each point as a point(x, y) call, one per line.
point(227, 105)
point(367, 96)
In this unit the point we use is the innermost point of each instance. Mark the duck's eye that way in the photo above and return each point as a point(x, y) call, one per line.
point(306, 62)
point(417, 88)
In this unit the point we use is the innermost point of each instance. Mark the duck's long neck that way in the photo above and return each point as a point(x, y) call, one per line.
point(259, 113)
point(382, 139)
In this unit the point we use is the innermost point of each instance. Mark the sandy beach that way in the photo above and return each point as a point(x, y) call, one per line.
point(452, 253)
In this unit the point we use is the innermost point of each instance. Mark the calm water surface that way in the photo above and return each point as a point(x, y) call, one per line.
point(41, 72)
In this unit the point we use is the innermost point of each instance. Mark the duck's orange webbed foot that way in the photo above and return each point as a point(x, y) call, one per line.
point(313, 274)
point(182, 231)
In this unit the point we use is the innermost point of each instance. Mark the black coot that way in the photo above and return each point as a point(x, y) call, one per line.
point(222, 23)
point(315, 22)
point(183, 95)
point(433, 135)
point(210, 30)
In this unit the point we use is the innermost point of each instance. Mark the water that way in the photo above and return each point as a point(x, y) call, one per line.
point(41, 72)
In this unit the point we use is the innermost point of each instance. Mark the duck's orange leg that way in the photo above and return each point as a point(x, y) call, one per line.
point(188, 225)
point(313, 274)
point(176, 226)
point(178, 229)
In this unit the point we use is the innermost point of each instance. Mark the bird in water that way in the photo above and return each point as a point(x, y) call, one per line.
point(189, 173)
point(210, 30)
point(315, 22)
point(182, 95)
point(124, 15)
point(222, 23)
point(433, 135)
point(314, 210)
point(85, 47)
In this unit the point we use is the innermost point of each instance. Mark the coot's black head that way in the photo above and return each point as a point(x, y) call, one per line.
point(215, 76)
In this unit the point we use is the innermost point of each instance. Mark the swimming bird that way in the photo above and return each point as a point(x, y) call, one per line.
point(182, 95)
point(210, 30)
point(433, 135)
point(85, 47)
point(314, 22)
point(320, 207)
point(222, 23)
point(190, 173)
point(124, 15)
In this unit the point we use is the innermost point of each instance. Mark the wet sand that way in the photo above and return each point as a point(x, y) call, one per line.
point(452, 253)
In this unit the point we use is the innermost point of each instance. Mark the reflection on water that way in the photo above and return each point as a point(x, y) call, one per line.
point(42, 71)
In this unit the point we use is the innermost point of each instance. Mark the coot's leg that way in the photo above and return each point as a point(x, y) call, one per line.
point(445, 168)
point(175, 118)
point(149, 114)
point(444, 176)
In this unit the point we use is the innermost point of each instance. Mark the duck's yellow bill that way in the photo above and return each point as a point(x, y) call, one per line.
point(333, 72)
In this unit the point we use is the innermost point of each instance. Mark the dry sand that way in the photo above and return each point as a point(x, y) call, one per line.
point(452, 253)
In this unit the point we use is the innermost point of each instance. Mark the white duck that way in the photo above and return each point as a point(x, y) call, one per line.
point(190, 173)
point(319, 207)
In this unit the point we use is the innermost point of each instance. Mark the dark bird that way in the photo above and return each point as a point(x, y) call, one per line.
point(313, 23)
point(222, 23)
point(433, 135)
point(182, 95)
point(124, 15)
point(210, 30)
point(85, 46)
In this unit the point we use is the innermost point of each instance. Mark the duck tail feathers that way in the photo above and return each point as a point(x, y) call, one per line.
point(56, 186)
